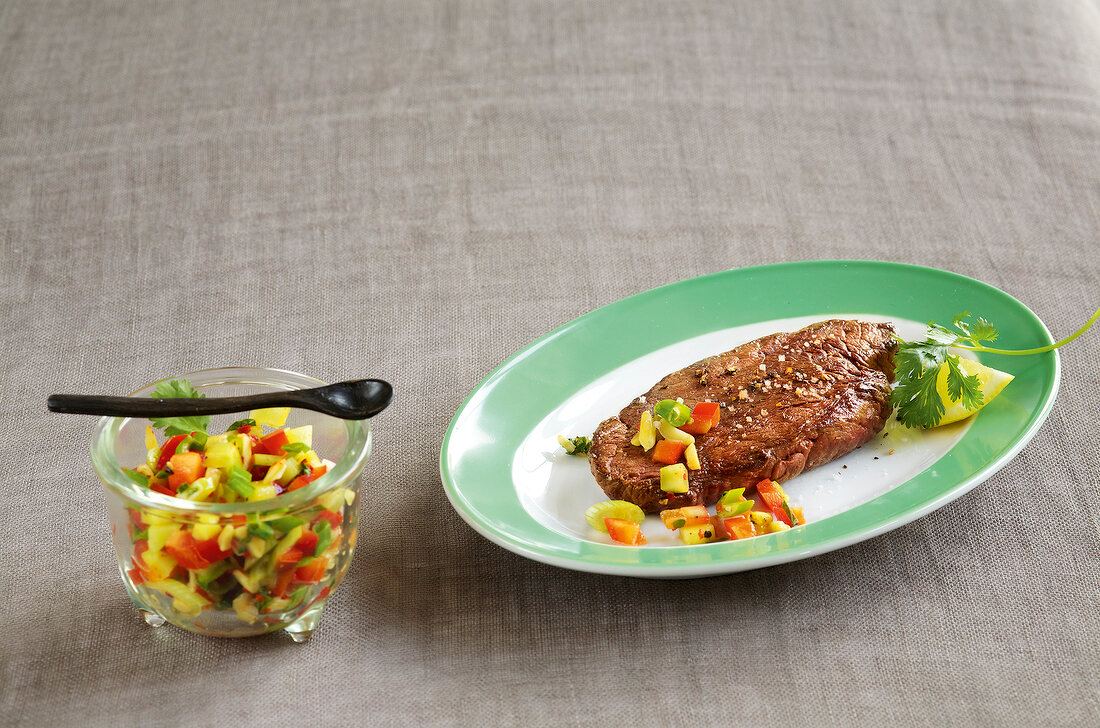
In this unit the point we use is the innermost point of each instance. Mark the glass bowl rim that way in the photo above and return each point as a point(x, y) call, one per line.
point(354, 456)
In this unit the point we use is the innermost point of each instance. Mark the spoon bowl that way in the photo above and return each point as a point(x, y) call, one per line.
point(359, 399)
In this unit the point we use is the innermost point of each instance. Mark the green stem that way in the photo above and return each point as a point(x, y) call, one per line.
point(1041, 349)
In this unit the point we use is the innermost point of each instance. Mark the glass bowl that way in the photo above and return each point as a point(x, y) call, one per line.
point(268, 581)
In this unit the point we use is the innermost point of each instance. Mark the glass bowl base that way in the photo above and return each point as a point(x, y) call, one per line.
point(152, 618)
point(302, 629)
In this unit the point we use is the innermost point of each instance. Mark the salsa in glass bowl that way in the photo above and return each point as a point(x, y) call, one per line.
point(232, 526)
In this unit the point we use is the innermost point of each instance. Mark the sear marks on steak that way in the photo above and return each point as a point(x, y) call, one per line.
point(789, 402)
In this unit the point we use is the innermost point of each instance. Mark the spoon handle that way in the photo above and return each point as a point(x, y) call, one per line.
point(94, 404)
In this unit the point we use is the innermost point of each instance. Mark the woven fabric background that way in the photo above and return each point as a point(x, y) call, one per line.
point(417, 190)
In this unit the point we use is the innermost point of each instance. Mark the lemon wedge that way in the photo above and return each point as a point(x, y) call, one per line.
point(992, 382)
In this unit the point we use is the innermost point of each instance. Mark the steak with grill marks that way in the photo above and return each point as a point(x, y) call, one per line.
point(789, 402)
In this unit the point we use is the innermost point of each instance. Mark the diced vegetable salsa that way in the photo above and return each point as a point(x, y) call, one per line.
point(243, 464)
point(265, 567)
point(733, 519)
point(623, 531)
point(668, 432)
point(618, 509)
point(677, 425)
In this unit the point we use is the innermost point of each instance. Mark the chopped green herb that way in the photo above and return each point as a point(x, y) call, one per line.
point(262, 530)
point(579, 445)
point(790, 513)
point(195, 441)
point(240, 481)
point(297, 596)
point(735, 509)
point(212, 572)
point(731, 497)
point(673, 412)
point(286, 524)
point(323, 529)
point(294, 448)
point(241, 423)
point(137, 477)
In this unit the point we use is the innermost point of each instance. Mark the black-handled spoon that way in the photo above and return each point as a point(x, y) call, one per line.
point(355, 400)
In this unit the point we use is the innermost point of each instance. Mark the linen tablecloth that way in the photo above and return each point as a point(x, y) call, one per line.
point(416, 191)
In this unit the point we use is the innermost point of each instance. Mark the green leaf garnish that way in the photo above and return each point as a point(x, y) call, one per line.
point(915, 397)
point(241, 423)
point(918, 363)
point(962, 386)
point(293, 448)
point(180, 389)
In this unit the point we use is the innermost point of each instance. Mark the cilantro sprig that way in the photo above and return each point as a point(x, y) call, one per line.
point(918, 365)
point(179, 389)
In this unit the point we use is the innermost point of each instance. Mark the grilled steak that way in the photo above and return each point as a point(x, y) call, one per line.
point(789, 403)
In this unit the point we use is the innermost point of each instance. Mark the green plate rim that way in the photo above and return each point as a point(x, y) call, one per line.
point(478, 481)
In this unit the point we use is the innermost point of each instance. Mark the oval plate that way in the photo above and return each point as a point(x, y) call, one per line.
point(506, 476)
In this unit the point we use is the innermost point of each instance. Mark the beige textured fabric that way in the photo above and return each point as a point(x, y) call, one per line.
point(416, 191)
